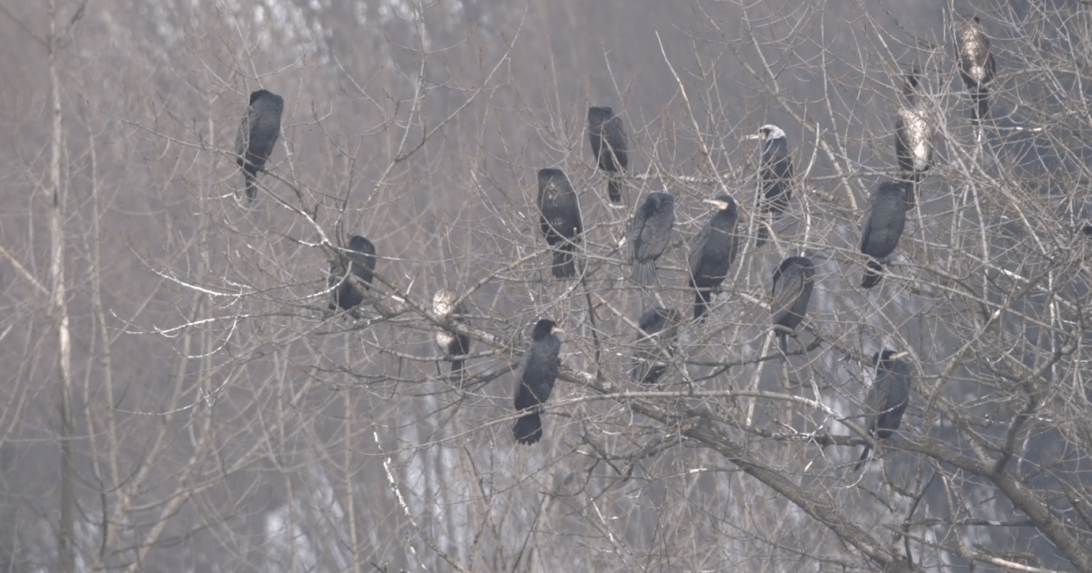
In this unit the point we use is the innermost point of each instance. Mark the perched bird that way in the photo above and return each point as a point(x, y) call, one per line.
point(451, 343)
point(608, 144)
point(913, 138)
point(883, 228)
point(887, 398)
point(792, 285)
point(659, 329)
point(560, 218)
point(361, 255)
point(257, 135)
point(537, 372)
point(976, 64)
point(713, 252)
point(650, 234)
point(775, 175)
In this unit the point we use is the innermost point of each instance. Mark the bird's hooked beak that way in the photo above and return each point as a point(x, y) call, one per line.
point(898, 355)
point(556, 330)
point(716, 203)
point(760, 135)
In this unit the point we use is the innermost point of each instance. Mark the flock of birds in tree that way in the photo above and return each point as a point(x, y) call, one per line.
point(711, 254)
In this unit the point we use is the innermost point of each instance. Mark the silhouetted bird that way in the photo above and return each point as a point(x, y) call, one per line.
point(883, 228)
point(659, 330)
point(792, 285)
point(913, 138)
point(775, 175)
point(257, 135)
point(887, 398)
point(361, 255)
point(608, 144)
point(560, 218)
point(450, 342)
point(650, 234)
point(1086, 230)
point(713, 251)
point(537, 372)
point(976, 64)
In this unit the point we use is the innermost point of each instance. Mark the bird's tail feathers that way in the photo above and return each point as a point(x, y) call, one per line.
point(763, 234)
point(528, 428)
point(873, 274)
point(701, 301)
point(784, 341)
point(981, 98)
point(614, 190)
point(644, 272)
point(456, 366)
point(251, 185)
point(564, 265)
point(861, 461)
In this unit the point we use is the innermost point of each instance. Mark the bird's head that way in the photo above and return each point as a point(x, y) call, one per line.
point(768, 132)
point(545, 327)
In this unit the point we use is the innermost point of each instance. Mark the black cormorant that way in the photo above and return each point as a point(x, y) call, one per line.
point(976, 64)
point(650, 234)
point(451, 343)
point(257, 135)
point(775, 176)
point(659, 329)
point(537, 372)
point(361, 255)
point(887, 398)
point(913, 138)
point(608, 144)
point(792, 285)
point(713, 252)
point(883, 228)
point(560, 218)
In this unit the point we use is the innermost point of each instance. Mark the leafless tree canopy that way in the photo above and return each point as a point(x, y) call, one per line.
point(177, 395)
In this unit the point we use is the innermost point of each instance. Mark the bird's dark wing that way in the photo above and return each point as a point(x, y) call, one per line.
point(242, 137)
point(637, 235)
point(865, 232)
point(786, 289)
point(697, 252)
point(876, 401)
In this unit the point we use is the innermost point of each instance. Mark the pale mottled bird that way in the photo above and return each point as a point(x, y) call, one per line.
point(976, 64)
point(913, 138)
point(451, 343)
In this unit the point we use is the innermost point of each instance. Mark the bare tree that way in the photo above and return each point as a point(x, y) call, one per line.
point(176, 345)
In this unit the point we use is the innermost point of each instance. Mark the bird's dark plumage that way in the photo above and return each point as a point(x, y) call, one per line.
point(713, 252)
point(257, 135)
point(650, 234)
point(913, 138)
point(450, 342)
point(535, 380)
point(887, 398)
point(361, 255)
point(659, 329)
point(976, 64)
point(883, 229)
point(560, 219)
point(775, 174)
point(792, 285)
point(608, 143)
